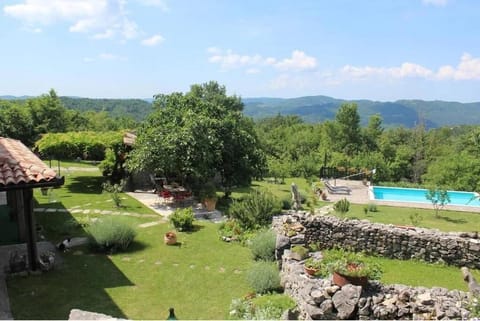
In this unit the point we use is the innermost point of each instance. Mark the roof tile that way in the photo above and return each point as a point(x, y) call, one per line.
point(19, 165)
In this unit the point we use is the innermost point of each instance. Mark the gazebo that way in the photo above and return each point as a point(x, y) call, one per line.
point(20, 172)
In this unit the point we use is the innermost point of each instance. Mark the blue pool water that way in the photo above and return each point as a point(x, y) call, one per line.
point(417, 195)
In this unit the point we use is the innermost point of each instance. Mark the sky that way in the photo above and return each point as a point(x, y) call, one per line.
point(381, 50)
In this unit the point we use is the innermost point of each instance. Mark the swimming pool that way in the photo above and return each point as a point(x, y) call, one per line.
point(417, 195)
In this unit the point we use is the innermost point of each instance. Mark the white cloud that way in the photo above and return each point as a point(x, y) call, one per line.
point(227, 60)
point(252, 71)
point(100, 18)
point(298, 61)
point(153, 40)
point(438, 3)
point(467, 69)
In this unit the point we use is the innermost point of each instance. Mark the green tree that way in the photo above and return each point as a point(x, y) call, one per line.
point(348, 136)
point(438, 197)
point(198, 135)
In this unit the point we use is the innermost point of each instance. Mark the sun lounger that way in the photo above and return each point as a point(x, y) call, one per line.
point(337, 189)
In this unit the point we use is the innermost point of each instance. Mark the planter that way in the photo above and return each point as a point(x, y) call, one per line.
point(310, 271)
point(170, 238)
point(341, 280)
point(210, 204)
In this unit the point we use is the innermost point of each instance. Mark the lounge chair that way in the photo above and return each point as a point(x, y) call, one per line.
point(336, 189)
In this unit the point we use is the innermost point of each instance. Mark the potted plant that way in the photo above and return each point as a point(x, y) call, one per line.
point(314, 266)
point(170, 238)
point(208, 196)
point(353, 268)
point(298, 252)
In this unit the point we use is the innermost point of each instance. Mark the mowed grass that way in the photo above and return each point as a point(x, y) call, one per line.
point(199, 278)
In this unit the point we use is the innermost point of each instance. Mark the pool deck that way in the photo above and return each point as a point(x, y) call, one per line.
point(360, 195)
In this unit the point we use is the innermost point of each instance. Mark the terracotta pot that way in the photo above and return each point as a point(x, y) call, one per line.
point(310, 271)
point(341, 280)
point(210, 204)
point(170, 238)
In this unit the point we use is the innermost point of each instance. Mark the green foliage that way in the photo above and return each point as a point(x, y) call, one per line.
point(115, 191)
point(263, 277)
point(474, 307)
point(372, 207)
point(197, 135)
point(182, 219)
point(286, 204)
point(438, 197)
point(111, 235)
point(415, 218)
point(84, 145)
point(342, 206)
point(230, 229)
point(347, 263)
point(263, 246)
point(254, 210)
point(302, 251)
point(264, 307)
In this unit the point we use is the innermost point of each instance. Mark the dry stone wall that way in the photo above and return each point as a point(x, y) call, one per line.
point(320, 299)
point(400, 242)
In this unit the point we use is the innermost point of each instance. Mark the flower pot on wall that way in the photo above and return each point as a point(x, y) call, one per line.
point(341, 280)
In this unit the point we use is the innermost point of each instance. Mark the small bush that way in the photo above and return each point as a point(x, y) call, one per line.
point(182, 219)
point(255, 209)
point(263, 277)
point(263, 246)
point(286, 204)
point(265, 307)
point(342, 206)
point(372, 207)
point(111, 235)
point(115, 191)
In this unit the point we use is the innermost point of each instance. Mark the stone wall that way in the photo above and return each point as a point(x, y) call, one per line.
point(320, 299)
point(459, 249)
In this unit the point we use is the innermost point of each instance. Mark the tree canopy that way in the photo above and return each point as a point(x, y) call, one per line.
point(197, 136)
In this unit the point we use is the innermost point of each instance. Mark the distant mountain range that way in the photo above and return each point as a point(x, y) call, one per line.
point(407, 113)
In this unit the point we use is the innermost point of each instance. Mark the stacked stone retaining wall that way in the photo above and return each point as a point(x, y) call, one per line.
point(320, 299)
point(400, 242)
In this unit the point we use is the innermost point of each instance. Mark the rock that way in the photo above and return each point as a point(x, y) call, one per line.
point(314, 312)
point(298, 239)
point(345, 301)
point(318, 296)
point(327, 308)
point(364, 306)
point(331, 290)
point(282, 242)
point(424, 299)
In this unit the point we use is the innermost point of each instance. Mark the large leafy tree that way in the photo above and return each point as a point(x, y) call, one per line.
point(199, 135)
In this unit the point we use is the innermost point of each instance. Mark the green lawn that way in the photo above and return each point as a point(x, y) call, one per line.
point(198, 278)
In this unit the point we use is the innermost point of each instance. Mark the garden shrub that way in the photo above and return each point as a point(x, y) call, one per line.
point(111, 235)
point(372, 207)
point(115, 191)
point(182, 219)
point(255, 209)
point(342, 206)
point(263, 277)
point(263, 246)
point(230, 229)
point(265, 307)
point(286, 204)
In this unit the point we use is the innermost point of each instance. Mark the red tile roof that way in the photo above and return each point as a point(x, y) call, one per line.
point(20, 166)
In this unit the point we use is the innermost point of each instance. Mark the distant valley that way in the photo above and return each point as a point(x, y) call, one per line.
point(407, 113)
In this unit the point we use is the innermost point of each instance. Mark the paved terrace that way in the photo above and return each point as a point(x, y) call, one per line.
point(360, 195)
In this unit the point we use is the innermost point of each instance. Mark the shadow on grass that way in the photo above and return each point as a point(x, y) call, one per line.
point(194, 229)
point(452, 220)
point(86, 184)
point(80, 283)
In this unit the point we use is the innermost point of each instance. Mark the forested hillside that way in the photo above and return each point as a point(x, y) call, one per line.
point(407, 113)
point(138, 109)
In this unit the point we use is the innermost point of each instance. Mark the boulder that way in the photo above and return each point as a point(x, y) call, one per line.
point(345, 301)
